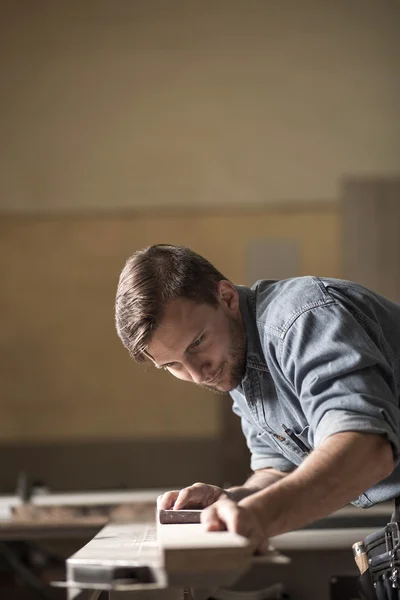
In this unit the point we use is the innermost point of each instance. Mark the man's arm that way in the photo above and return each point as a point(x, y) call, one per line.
point(339, 470)
point(259, 480)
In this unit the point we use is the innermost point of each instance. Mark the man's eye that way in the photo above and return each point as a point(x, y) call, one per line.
point(170, 366)
point(197, 342)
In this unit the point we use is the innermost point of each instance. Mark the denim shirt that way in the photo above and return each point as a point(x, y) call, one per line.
point(323, 357)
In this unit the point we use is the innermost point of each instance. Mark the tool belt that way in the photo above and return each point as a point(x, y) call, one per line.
point(381, 580)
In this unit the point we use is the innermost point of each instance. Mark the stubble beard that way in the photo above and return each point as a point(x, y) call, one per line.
point(237, 352)
point(236, 358)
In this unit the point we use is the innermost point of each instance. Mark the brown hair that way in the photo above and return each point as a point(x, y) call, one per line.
point(150, 279)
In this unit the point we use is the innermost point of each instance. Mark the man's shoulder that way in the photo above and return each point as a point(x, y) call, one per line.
point(278, 303)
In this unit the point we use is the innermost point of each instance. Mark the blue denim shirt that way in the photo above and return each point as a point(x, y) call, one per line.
point(323, 356)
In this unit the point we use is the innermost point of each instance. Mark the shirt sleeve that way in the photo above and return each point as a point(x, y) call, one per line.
point(341, 375)
point(263, 456)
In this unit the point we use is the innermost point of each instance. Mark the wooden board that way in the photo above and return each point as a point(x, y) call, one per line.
point(148, 556)
point(202, 558)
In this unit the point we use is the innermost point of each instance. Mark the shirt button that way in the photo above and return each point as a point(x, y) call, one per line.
point(279, 437)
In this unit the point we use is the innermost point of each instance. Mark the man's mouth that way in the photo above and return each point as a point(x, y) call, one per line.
point(215, 378)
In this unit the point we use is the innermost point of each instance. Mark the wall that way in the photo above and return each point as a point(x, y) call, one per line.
point(371, 239)
point(154, 103)
point(129, 123)
point(70, 393)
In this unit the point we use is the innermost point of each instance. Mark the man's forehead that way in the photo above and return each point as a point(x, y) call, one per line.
point(181, 321)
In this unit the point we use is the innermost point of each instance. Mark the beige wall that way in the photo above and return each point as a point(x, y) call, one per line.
point(175, 102)
point(64, 374)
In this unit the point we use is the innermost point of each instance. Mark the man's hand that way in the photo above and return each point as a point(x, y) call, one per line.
point(227, 514)
point(198, 495)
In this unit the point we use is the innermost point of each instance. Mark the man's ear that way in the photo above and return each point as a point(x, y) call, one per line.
point(228, 296)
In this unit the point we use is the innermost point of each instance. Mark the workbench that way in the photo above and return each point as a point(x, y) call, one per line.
point(137, 558)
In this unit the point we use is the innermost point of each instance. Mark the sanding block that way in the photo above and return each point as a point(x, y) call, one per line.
point(179, 516)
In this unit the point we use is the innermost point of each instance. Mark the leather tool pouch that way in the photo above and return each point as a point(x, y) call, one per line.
point(381, 581)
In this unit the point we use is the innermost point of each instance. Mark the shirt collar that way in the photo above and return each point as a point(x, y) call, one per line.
point(255, 358)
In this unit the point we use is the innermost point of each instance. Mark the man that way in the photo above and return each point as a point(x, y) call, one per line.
point(312, 366)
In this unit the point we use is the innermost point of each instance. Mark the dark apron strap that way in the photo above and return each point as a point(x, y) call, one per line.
point(397, 509)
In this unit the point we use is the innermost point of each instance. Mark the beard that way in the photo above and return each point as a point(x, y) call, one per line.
point(237, 352)
point(235, 365)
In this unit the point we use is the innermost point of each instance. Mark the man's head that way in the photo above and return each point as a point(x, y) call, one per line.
point(176, 309)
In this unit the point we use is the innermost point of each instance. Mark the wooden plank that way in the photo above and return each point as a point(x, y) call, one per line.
point(195, 557)
point(147, 556)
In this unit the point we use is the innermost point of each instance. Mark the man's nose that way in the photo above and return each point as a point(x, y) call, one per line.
point(196, 370)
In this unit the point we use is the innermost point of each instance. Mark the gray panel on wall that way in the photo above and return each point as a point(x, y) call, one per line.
point(272, 259)
point(371, 233)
